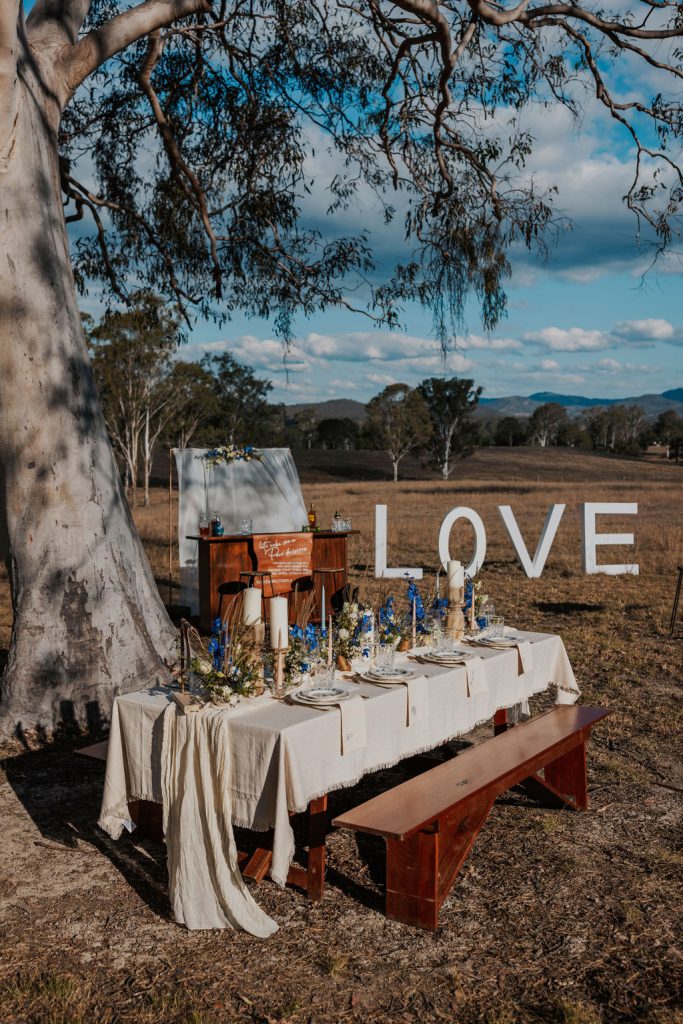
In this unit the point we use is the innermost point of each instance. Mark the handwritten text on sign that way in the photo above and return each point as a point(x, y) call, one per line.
point(286, 556)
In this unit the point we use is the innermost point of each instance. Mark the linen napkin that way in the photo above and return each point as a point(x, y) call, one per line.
point(525, 658)
point(354, 735)
point(417, 702)
point(477, 679)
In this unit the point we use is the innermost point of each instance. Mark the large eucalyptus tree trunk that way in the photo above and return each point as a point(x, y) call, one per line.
point(88, 620)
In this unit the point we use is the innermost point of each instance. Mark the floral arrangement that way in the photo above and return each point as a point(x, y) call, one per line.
point(230, 453)
point(306, 646)
point(474, 592)
point(354, 627)
point(226, 667)
point(414, 598)
point(388, 626)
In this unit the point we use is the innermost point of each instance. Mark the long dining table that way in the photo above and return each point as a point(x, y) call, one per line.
point(285, 758)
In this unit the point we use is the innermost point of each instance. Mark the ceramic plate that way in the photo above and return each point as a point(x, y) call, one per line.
point(396, 675)
point(498, 641)
point(300, 697)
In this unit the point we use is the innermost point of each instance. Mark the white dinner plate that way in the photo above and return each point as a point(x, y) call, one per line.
point(447, 659)
point(498, 641)
point(395, 676)
point(316, 694)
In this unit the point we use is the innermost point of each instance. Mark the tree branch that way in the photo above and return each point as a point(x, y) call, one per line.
point(189, 180)
point(56, 22)
point(98, 46)
point(10, 16)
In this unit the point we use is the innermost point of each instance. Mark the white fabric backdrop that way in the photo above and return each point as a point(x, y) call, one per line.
point(267, 491)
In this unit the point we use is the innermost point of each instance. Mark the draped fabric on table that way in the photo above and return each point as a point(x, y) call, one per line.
point(267, 491)
point(205, 884)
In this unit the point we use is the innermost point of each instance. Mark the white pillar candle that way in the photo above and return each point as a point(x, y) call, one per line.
point(455, 574)
point(279, 623)
point(251, 606)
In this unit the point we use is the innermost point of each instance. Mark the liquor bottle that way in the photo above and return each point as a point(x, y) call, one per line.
point(336, 522)
point(312, 517)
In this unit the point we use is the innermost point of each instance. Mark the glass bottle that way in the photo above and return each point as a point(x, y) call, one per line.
point(336, 522)
point(217, 529)
point(312, 517)
point(204, 525)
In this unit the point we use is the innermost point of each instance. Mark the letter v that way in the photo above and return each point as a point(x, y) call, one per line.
point(533, 568)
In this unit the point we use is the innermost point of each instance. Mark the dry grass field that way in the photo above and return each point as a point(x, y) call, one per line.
point(557, 917)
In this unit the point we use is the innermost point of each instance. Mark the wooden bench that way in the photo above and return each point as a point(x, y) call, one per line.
point(430, 822)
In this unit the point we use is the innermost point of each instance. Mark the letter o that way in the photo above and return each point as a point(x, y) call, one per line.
point(462, 512)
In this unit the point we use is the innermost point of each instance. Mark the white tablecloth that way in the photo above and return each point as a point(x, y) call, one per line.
point(284, 756)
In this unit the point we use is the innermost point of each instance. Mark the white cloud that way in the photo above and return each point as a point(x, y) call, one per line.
point(549, 364)
point(573, 339)
point(490, 344)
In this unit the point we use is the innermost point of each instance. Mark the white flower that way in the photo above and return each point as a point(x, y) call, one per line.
point(343, 634)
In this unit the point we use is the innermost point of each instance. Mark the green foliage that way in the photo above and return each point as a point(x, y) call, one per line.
point(210, 209)
point(241, 411)
point(511, 430)
point(398, 422)
point(450, 404)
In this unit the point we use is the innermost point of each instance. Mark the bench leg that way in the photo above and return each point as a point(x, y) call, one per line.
point(567, 776)
point(412, 880)
point(421, 870)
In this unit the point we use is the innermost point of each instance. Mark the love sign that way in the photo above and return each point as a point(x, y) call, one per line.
point(532, 566)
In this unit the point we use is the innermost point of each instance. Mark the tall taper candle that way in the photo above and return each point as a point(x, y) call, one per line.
point(322, 604)
point(414, 624)
point(329, 642)
point(251, 606)
point(279, 616)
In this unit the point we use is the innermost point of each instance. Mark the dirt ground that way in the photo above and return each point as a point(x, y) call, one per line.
point(557, 916)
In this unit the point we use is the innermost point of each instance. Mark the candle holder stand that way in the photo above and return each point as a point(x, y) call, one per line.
point(455, 620)
point(279, 689)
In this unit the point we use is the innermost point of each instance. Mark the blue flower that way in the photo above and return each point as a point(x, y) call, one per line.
point(296, 632)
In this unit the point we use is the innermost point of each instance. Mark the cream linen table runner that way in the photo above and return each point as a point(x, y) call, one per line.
point(282, 756)
point(205, 884)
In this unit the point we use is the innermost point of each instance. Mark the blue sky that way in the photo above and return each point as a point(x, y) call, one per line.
point(586, 322)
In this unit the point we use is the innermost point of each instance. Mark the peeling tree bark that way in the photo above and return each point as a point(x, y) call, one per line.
point(88, 619)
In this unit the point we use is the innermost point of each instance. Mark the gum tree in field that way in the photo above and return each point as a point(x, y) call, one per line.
point(398, 422)
point(451, 404)
point(184, 133)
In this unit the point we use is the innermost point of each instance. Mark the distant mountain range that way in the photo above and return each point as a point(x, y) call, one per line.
point(513, 405)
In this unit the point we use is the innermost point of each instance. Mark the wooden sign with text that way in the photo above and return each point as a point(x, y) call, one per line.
point(286, 556)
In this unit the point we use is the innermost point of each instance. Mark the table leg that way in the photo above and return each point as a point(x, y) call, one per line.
point(500, 721)
point(258, 864)
point(317, 831)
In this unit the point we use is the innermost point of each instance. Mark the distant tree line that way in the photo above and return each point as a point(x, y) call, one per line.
point(151, 397)
point(622, 429)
